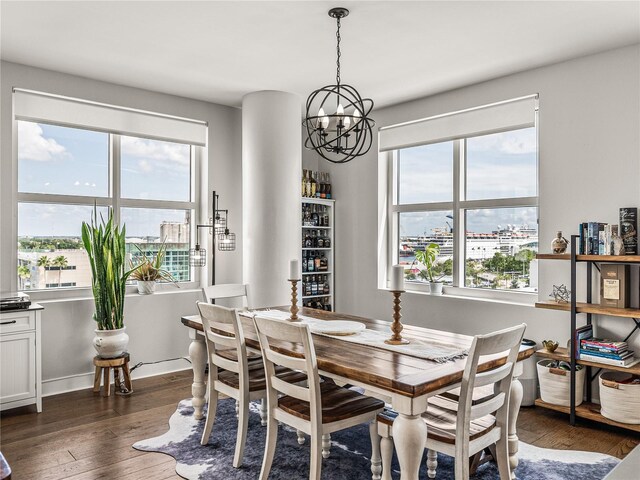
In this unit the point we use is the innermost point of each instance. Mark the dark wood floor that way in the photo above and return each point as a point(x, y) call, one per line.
point(81, 435)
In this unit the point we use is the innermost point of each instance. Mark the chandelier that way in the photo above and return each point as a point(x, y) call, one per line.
point(340, 136)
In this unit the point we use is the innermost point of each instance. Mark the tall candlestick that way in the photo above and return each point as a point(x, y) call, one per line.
point(396, 326)
point(397, 278)
point(294, 300)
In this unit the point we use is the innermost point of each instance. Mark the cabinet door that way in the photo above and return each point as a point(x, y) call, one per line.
point(17, 366)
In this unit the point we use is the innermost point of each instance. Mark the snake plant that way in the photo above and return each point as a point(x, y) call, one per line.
point(104, 242)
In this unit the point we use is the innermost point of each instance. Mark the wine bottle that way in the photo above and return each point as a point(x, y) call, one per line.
point(316, 261)
point(315, 218)
point(327, 187)
point(320, 241)
point(304, 183)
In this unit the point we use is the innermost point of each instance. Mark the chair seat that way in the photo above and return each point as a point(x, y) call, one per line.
point(441, 419)
point(480, 394)
point(337, 404)
point(257, 379)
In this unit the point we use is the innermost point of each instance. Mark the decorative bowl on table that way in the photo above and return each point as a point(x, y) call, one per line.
point(337, 327)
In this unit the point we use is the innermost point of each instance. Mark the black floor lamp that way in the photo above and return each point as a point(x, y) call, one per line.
point(220, 228)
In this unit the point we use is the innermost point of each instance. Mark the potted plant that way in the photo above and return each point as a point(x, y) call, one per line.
point(428, 257)
point(147, 271)
point(105, 246)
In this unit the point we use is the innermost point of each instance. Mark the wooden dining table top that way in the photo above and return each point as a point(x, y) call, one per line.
point(391, 371)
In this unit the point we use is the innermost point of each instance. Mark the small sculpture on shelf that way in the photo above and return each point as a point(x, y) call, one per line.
point(559, 244)
point(550, 345)
point(561, 293)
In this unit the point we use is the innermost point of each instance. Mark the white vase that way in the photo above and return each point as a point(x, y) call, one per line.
point(146, 287)
point(435, 288)
point(111, 343)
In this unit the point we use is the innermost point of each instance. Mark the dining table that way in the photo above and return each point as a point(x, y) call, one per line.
point(403, 380)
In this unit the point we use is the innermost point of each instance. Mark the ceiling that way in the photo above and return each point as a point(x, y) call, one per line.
point(392, 51)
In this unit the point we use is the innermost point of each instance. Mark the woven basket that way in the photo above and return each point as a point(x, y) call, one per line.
point(619, 401)
point(555, 384)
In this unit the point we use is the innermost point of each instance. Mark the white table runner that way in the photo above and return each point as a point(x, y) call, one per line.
point(435, 351)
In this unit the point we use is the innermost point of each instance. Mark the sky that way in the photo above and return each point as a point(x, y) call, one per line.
point(68, 161)
point(501, 165)
point(61, 160)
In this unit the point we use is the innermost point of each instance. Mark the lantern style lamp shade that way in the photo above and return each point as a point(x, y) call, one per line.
point(220, 221)
point(197, 256)
point(226, 241)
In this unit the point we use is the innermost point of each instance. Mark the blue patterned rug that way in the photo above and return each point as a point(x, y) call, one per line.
point(350, 451)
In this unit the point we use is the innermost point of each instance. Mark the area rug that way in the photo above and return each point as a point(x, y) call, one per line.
point(350, 452)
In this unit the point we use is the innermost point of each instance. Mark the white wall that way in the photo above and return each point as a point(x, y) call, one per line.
point(153, 322)
point(589, 167)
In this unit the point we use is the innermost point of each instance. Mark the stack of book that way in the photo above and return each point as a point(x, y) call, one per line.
point(606, 351)
point(595, 238)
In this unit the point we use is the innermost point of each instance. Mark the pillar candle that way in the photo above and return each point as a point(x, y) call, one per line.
point(397, 278)
point(293, 270)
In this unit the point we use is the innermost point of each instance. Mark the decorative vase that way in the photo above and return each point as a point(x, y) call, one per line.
point(435, 288)
point(146, 287)
point(111, 343)
point(559, 244)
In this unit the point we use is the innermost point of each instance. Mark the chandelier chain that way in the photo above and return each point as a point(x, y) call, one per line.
point(338, 52)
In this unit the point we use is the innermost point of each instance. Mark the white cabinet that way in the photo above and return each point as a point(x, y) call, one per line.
point(20, 358)
point(317, 286)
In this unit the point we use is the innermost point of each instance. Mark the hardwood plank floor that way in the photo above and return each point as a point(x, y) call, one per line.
point(82, 435)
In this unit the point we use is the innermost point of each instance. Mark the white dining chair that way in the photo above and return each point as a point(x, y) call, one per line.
point(230, 374)
point(317, 409)
point(467, 426)
point(228, 291)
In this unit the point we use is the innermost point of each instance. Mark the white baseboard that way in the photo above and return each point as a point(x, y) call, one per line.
point(71, 383)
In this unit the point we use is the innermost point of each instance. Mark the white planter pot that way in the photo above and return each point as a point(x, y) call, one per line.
point(435, 288)
point(111, 343)
point(146, 287)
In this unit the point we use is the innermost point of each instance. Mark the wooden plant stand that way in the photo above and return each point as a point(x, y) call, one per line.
point(103, 369)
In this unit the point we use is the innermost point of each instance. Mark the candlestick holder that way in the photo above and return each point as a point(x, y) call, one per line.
point(396, 326)
point(294, 300)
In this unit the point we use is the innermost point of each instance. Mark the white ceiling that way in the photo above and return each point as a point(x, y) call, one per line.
point(392, 51)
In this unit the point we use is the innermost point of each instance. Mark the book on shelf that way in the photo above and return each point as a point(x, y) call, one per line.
point(627, 362)
point(629, 230)
point(582, 333)
point(613, 356)
point(603, 343)
point(588, 348)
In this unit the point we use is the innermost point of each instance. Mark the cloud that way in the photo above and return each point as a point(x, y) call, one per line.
point(159, 152)
point(32, 145)
point(515, 142)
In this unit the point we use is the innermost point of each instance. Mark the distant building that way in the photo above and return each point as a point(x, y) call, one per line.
point(77, 273)
point(174, 232)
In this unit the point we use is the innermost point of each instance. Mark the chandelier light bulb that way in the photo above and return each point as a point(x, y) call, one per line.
point(340, 110)
point(346, 121)
point(321, 117)
point(356, 116)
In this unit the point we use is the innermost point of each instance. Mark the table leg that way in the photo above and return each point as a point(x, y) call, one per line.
point(515, 401)
point(198, 356)
point(409, 436)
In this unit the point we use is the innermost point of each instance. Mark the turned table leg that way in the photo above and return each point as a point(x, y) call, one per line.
point(515, 401)
point(409, 436)
point(198, 356)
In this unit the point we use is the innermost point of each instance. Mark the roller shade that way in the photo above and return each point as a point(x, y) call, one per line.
point(509, 115)
point(72, 112)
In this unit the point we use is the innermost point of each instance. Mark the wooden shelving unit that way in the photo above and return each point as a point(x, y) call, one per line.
point(587, 409)
point(590, 411)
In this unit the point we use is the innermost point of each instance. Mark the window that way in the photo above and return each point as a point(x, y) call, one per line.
point(475, 195)
point(63, 172)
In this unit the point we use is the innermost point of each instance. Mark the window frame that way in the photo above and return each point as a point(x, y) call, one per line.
point(459, 206)
point(115, 201)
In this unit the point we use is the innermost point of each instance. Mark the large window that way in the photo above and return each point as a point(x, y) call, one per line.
point(476, 197)
point(64, 173)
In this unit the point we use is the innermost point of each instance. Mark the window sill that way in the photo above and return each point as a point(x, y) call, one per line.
point(81, 294)
point(520, 299)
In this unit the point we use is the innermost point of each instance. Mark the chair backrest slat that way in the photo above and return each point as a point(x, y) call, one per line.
point(492, 376)
point(286, 388)
point(227, 291)
point(488, 406)
point(286, 361)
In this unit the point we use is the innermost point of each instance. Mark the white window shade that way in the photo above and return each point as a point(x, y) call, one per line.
point(72, 112)
point(497, 117)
